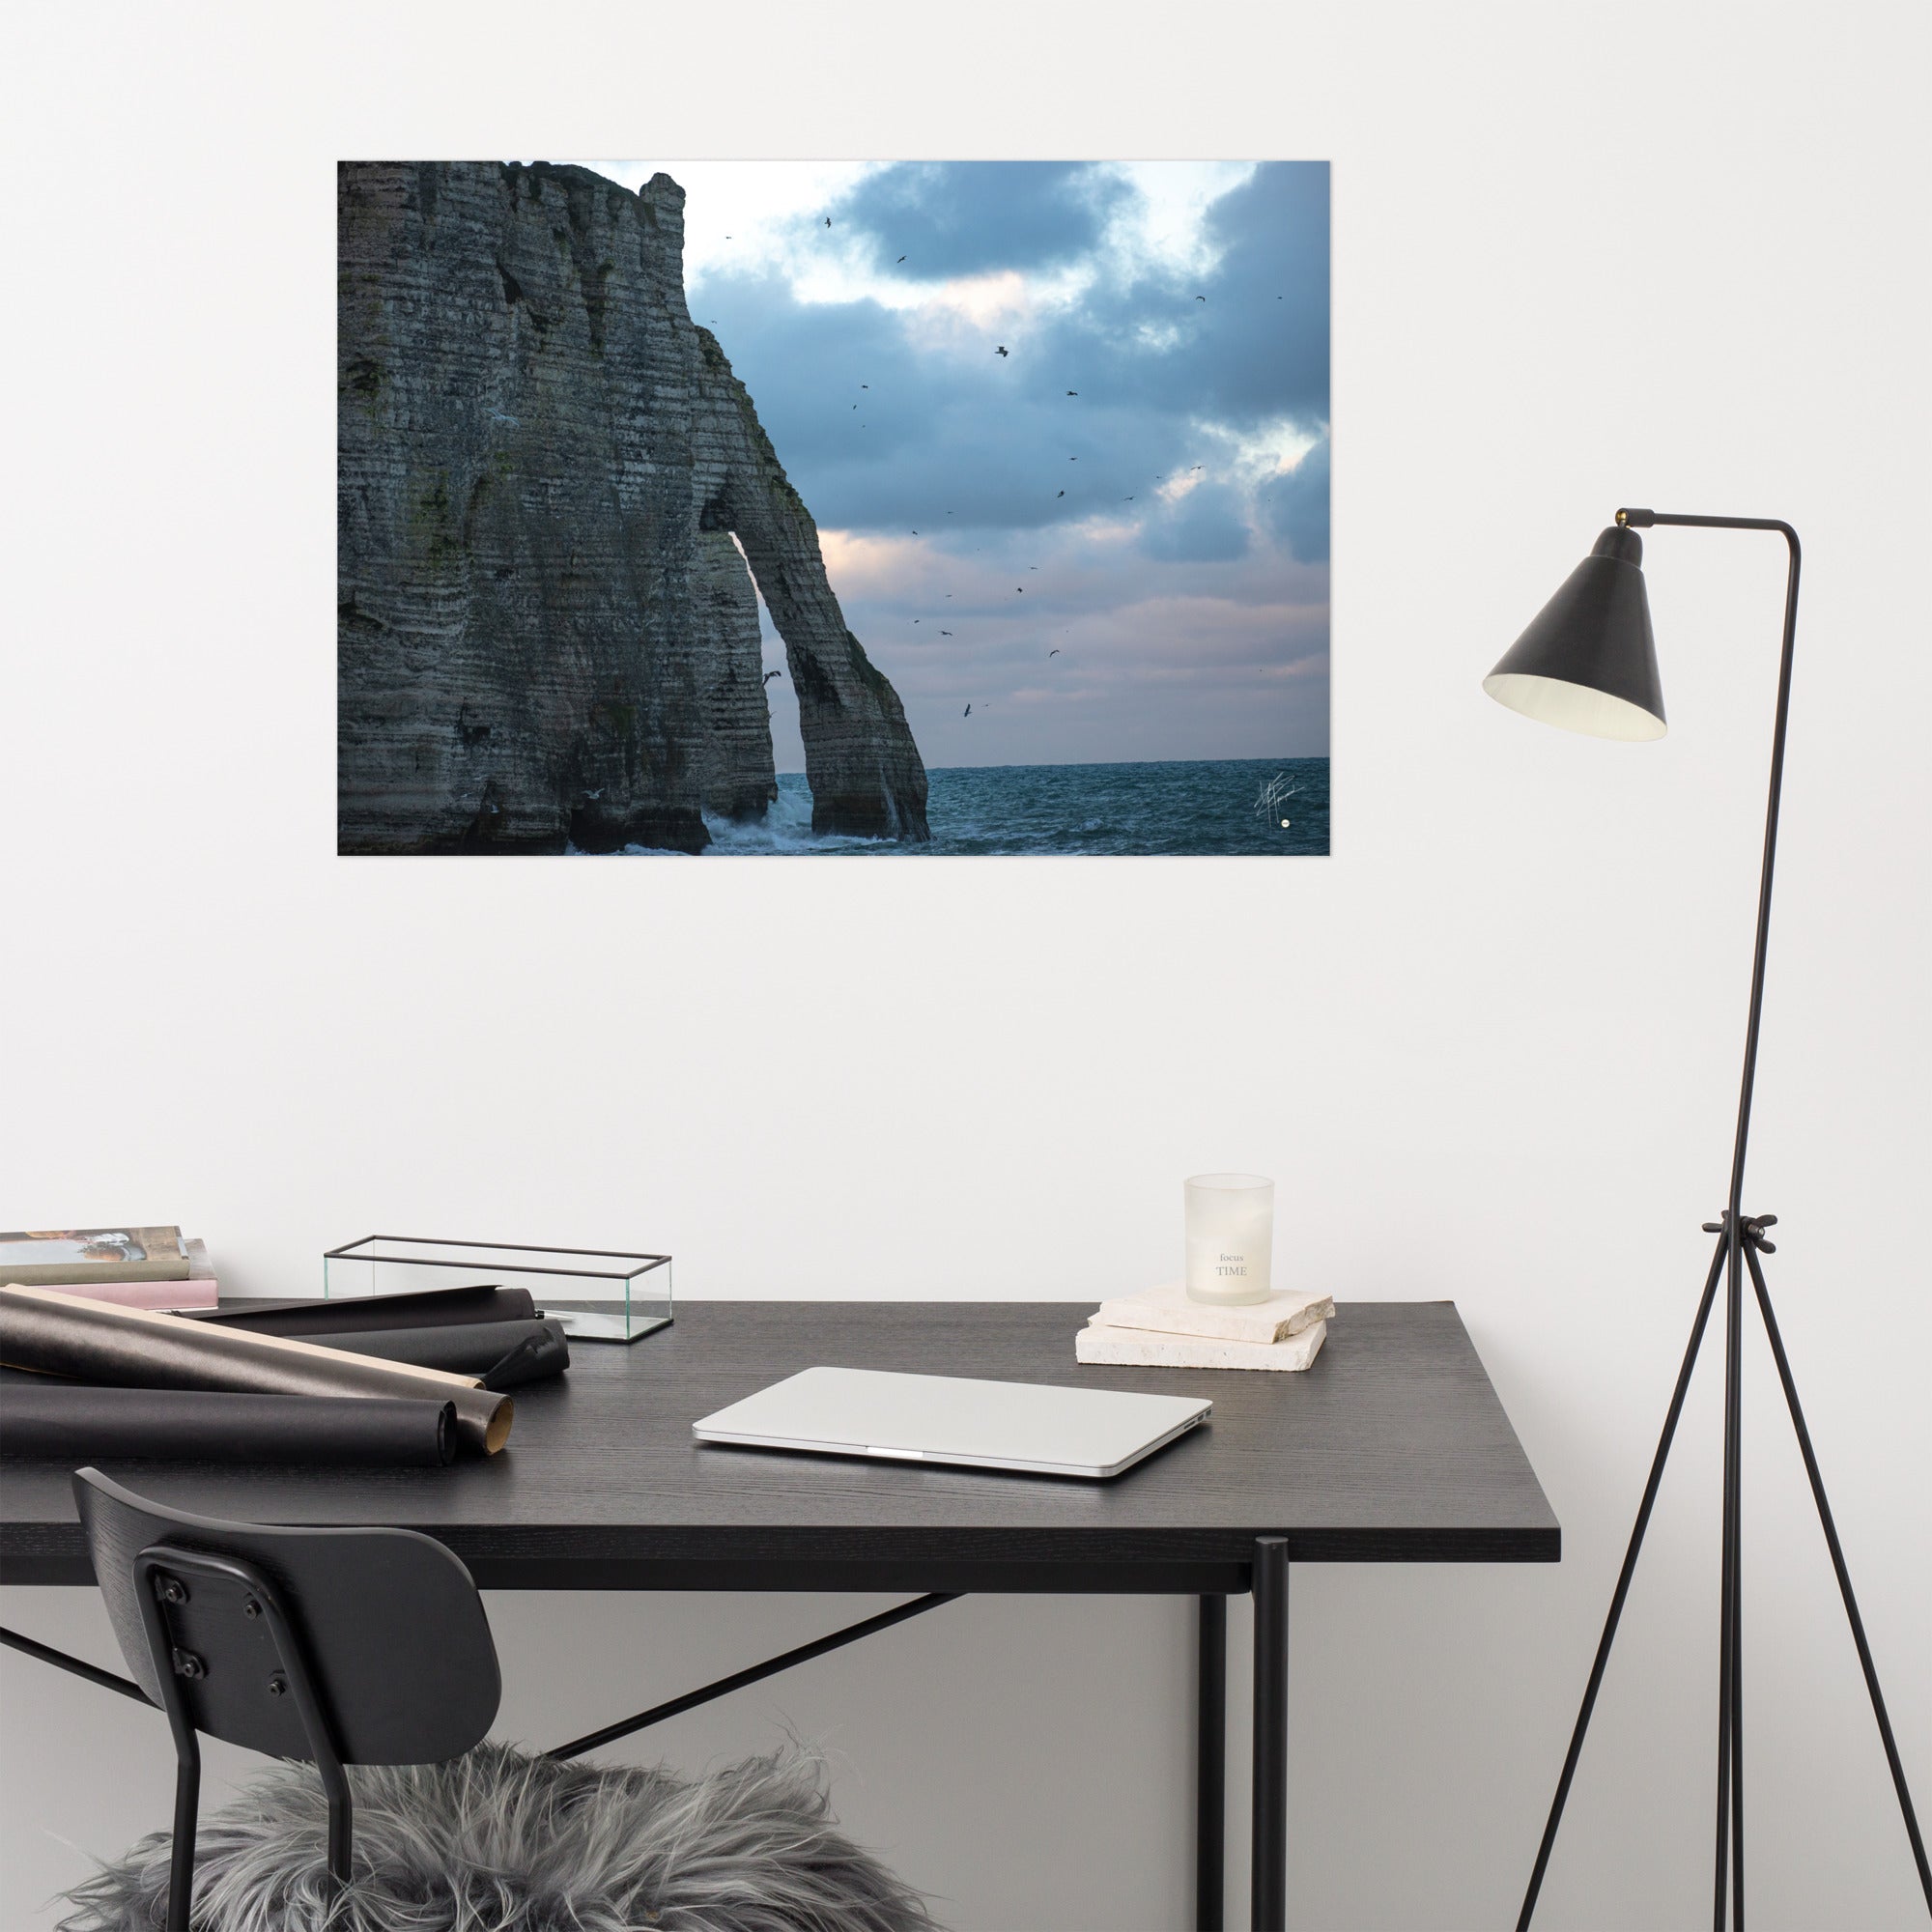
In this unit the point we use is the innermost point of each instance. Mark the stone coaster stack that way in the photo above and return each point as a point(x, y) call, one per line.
point(1163, 1328)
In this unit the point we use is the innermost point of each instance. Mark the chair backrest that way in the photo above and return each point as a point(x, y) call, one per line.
point(390, 1629)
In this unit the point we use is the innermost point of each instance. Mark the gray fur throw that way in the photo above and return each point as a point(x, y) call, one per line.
point(495, 1841)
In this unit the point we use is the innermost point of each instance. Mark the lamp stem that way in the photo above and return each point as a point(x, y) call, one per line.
point(1730, 1859)
point(1644, 519)
point(1736, 1203)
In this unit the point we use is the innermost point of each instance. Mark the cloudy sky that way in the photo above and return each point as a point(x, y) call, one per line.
point(1165, 528)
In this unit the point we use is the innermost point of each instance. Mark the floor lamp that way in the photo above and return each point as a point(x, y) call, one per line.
point(1588, 663)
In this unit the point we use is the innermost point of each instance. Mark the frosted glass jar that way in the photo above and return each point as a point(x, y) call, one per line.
point(1230, 1238)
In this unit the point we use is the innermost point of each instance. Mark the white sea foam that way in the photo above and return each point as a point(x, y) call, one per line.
point(787, 827)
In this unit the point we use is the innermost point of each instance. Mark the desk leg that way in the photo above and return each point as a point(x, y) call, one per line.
point(1211, 1767)
point(1269, 1877)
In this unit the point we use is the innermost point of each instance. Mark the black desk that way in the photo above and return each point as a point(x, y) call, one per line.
point(1391, 1448)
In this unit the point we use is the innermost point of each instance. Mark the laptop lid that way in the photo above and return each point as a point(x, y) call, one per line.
point(1042, 1430)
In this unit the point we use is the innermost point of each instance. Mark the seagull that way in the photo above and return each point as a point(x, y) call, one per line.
point(864, 385)
point(1019, 590)
point(1126, 499)
point(770, 674)
point(1074, 392)
point(1061, 494)
point(901, 259)
point(1199, 299)
point(915, 533)
point(945, 634)
point(1001, 350)
point(855, 406)
point(827, 221)
point(968, 712)
point(1054, 653)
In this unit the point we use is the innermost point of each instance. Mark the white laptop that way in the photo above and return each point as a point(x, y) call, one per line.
point(979, 1425)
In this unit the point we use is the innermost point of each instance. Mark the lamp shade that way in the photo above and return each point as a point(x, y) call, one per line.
point(1588, 661)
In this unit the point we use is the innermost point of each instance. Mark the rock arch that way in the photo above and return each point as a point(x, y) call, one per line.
point(545, 633)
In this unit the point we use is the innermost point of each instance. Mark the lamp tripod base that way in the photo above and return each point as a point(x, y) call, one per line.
point(1741, 1240)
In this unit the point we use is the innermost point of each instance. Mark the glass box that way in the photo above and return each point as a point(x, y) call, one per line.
point(597, 1296)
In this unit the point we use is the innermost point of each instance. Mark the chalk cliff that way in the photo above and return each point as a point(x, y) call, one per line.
point(550, 485)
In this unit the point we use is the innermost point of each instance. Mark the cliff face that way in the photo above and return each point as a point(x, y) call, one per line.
point(545, 630)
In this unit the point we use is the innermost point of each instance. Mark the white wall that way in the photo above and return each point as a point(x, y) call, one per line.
point(1671, 255)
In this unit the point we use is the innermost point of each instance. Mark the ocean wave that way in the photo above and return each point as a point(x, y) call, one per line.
point(1154, 810)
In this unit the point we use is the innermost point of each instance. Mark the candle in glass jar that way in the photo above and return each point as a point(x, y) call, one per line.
point(1230, 1237)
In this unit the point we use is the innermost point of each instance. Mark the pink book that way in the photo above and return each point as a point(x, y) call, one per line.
point(159, 1294)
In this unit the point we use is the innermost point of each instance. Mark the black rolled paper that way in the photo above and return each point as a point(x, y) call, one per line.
point(364, 1314)
point(70, 1423)
point(59, 1334)
point(466, 1349)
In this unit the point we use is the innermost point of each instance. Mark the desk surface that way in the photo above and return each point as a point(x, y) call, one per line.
point(1392, 1447)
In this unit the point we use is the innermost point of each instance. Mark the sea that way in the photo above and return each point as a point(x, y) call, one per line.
point(1220, 807)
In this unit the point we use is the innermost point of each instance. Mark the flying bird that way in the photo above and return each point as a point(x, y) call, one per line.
point(901, 259)
point(1001, 350)
point(864, 385)
point(827, 221)
point(915, 533)
point(945, 634)
point(1054, 653)
point(1061, 494)
point(1074, 392)
point(968, 712)
point(1201, 298)
point(1019, 590)
point(770, 674)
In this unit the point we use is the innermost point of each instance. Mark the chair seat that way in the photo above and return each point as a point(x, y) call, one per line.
point(499, 1842)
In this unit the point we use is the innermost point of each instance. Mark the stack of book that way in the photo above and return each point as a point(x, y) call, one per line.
point(131, 1268)
point(1163, 1328)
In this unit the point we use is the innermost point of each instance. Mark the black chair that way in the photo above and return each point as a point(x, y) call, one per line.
point(331, 1646)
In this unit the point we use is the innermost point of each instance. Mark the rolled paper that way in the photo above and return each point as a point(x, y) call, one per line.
point(363, 1314)
point(136, 1347)
point(525, 1363)
point(467, 1347)
point(73, 1424)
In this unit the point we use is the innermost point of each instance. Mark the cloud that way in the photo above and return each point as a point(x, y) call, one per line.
point(1204, 526)
point(1132, 519)
point(1295, 505)
point(953, 219)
